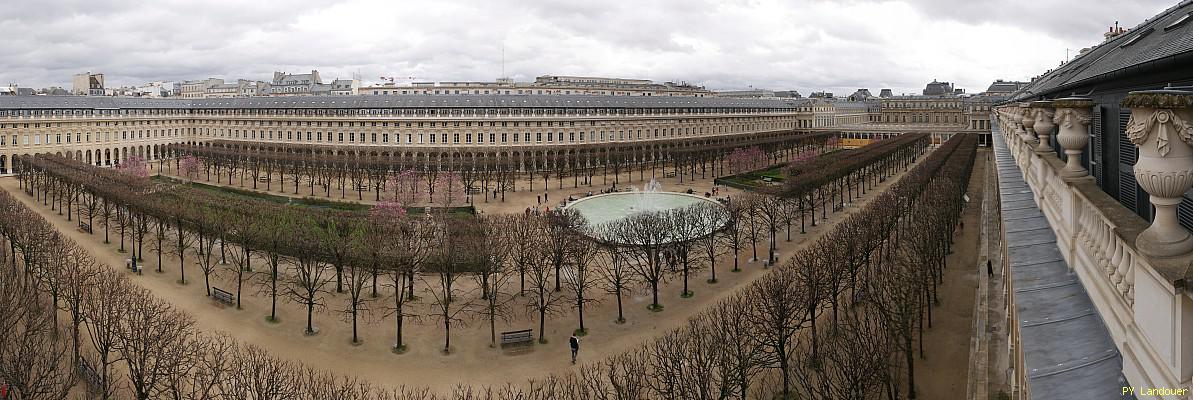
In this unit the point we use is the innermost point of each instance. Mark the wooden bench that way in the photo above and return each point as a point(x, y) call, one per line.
point(222, 296)
point(522, 337)
point(85, 227)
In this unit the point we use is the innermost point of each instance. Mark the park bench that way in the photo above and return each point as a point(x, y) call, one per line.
point(222, 296)
point(85, 227)
point(525, 336)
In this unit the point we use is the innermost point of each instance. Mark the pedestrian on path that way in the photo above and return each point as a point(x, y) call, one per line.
point(575, 343)
point(989, 268)
point(546, 197)
point(539, 198)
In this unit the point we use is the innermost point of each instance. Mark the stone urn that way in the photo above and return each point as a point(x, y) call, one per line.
point(1160, 126)
point(1072, 117)
point(1029, 121)
point(1042, 111)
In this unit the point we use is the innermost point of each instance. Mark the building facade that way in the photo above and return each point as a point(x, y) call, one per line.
point(105, 130)
point(88, 84)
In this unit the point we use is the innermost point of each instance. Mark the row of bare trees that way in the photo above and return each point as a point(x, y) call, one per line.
point(360, 170)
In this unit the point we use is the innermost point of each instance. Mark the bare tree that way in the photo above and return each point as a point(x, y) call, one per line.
point(580, 278)
point(104, 306)
point(449, 262)
point(34, 362)
point(616, 275)
point(777, 314)
point(644, 235)
point(544, 301)
point(494, 272)
point(310, 276)
point(357, 276)
point(523, 233)
point(151, 341)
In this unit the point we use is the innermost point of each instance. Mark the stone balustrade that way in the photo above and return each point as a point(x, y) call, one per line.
point(1134, 272)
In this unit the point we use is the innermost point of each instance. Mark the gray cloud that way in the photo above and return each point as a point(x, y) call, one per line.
point(805, 45)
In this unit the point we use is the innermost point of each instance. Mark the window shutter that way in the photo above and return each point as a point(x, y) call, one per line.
point(1127, 154)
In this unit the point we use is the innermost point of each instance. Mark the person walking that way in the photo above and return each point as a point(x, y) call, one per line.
point(989, 268)
point(539, 198)
point(575, 343)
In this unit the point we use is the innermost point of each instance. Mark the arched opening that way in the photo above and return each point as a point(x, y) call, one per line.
point(3, 164)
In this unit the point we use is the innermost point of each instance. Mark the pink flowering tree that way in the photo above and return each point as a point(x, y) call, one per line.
point(387, 211)
point(188, 167)
point(134, 166)
point(406, 187)
point(746, 159)
point(805, 156)
point(450, 187)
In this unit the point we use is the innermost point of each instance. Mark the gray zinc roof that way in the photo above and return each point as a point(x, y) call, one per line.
point(388, 101)
point(1165, 35)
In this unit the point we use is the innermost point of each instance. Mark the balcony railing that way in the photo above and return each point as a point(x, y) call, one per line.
point(1139, 295)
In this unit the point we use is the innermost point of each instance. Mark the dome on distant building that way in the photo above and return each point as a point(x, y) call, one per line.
point(860, 95)
point(938, 88)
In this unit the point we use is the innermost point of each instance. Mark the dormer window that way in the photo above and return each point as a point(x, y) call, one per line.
point(1137, 37)
point(1179, 22)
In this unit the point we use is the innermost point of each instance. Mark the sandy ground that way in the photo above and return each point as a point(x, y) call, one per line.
point(943, 373)
point(472, 360)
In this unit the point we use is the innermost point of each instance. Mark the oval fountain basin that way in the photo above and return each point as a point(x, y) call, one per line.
point(604, 208)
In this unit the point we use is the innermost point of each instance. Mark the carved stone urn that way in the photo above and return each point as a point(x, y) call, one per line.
point(1042, 111)
point(1072, 117)
point(1028, 121)
point(1016, 119)
point(1160, 126)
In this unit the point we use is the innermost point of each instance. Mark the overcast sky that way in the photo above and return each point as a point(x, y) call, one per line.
point(805, 45)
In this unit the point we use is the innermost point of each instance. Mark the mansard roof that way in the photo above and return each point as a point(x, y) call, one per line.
point(1167, 35)
point(393, 101)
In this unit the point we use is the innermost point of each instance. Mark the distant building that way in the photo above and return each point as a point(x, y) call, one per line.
point(543, 85)
point(198, 89)
point(788, 94)
point(938, 88)
point(885, 93)
point(1001, 87)
point(285, 84)
point(88, 84)
point(860, 95)
point(821, 95)
point(748, 94)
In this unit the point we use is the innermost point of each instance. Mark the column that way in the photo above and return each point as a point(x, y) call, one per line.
point(1160, 128)
point(1072, 117)
point(1043, 113)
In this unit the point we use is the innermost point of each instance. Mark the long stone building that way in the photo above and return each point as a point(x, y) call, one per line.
point(1094, 161)
point(103, 131)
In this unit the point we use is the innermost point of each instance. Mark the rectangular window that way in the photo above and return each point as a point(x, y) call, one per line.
point(432, 138)
point(384, 138)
